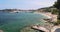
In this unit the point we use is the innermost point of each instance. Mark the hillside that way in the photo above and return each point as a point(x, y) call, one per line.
point(53, 10)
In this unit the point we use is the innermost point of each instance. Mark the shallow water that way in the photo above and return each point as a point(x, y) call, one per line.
point(14, 22)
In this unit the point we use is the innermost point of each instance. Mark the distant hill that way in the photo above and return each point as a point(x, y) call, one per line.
point(51, 9)
point(11, 10)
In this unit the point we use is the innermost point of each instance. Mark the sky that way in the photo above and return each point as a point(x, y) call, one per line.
point(25, 4)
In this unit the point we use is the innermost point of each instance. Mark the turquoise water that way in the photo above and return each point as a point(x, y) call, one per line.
point(14, 22)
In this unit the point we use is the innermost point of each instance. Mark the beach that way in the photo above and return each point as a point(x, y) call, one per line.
point(51, 16)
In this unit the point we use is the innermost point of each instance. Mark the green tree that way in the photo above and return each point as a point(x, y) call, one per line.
point(54, 11)
point(57, 5)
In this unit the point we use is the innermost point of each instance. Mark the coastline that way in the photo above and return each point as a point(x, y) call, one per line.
point(50, 16)
point(44, 14)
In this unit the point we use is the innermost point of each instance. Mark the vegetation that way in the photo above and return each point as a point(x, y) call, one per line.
point(56, 23)
point(54, 11)
point(57, 5)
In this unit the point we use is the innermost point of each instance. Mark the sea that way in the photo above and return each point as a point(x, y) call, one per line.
point(20, 22)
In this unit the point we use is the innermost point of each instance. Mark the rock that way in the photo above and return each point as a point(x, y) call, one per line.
point(1, 30)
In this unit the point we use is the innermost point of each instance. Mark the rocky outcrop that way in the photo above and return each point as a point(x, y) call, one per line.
point(40, 28)
point(54, 28)
point(1, 30)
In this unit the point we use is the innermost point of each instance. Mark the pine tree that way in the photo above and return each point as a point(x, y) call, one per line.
point(57, 5)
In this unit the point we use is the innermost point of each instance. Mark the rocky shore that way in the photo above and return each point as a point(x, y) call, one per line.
point(48, 27)
point(51, 17)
